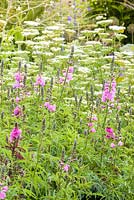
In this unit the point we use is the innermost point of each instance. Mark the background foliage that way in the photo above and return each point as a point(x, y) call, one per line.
point(51, 141)
point(122, 11)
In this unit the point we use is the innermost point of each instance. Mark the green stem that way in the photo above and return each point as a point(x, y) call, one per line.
point(105, 118)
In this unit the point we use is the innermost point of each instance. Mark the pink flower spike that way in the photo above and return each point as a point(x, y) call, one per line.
point(90, 124)
point(109, 91)
point(66, 168)
point(2, 195)
point(52, 108)
point(120, 143)
point(112, 145)
point(15, 134)
point(68, 76)
point(5, 189)
point(109, 130)
point(17, 111)
point(18, 85)
point(18, 77)
point(110, 135)
point(47, 104)
point(40, 81)
point(93, 130)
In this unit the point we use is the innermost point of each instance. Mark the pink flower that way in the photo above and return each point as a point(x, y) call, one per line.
point(2, 195)
point(18, 77)
point(118, 107)
point(112, 145)
point(69, 77)
point(28, 94)
point(15, 134)
point(94, 118)
point(40, 81)
point(109, 130)
point(5, 189)
point(47, 104)
point(17, 111)
point(93, 130)
point(17, 99)
point(109, 91)
point(110, 133)
point(52, 108)
point(61, 79)
point(66, 168)
point(71, 69)
point(17, 85)
point(3, 192)
point(120, 143)
point(90, 124)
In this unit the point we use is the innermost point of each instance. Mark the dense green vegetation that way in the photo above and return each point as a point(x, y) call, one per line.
point(66, 100)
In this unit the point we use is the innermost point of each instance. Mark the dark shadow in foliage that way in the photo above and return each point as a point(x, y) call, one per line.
point(120, 9)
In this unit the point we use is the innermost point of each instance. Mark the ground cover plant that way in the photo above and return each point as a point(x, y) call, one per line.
point(66, 107)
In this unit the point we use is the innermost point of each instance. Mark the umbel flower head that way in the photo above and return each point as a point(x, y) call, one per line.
point(109, 91)
point(15, 134)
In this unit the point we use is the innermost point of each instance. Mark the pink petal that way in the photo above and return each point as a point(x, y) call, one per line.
point(112, 145)
point(2, 195)
point(5, 189)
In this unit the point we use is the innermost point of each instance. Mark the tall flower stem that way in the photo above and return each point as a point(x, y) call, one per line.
point(64, 83)
point(1, 74)
point(103, 126)
point(105, 118)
